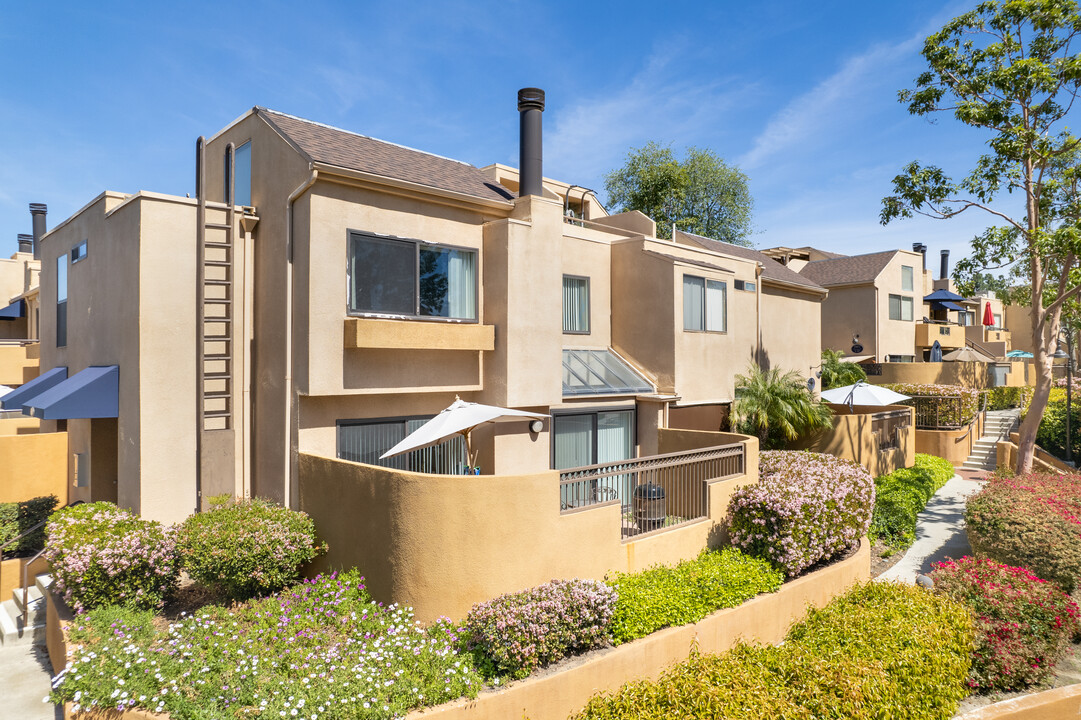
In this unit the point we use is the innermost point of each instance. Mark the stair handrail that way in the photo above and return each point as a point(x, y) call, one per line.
point(26, 565)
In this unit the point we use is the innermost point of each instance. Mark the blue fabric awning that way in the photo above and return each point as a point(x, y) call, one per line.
point(15, 399)
point(948, 306)
point(90, 393)
point(940, 295)
point(13, 311)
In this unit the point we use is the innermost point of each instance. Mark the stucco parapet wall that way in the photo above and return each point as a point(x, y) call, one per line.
point(1058, 704)
point(557, 694)
point(764, 619)
point(417, 335)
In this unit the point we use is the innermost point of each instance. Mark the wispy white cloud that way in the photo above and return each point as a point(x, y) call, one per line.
point(592, 136)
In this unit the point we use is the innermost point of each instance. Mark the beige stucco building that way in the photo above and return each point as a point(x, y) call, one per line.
point(325, 293)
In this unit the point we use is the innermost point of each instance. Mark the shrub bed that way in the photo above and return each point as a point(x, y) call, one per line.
point(883, 650)
point(517, 633)
point(1004, 398)
point(1023, 624)
point(1030, 521)
point(669, 596)
point(18, 517)
point(322, 649)
point(1051, 435)
point(902, 495)
point(806, 508)
point(102, 555)
point(247, 548)
point(948, 413)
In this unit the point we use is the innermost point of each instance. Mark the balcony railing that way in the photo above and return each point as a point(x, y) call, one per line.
point(653, 492)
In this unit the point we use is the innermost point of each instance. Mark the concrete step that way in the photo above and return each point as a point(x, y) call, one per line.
point(33, 594)
point(12, 630)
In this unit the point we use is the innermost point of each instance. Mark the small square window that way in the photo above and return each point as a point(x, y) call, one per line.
point(78, 252)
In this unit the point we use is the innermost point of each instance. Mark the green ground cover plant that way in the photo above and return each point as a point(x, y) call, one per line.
point(247, 548)
point(322, 650)
point(517, 633)
point(102, 555)
point(902, 495)
point(883, 650)
point(1030, 521)
point(1024, 625)
point(805, 508)
point(17, 518)
point(669, 596)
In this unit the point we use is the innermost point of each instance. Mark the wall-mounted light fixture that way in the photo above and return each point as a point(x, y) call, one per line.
point(536, 426)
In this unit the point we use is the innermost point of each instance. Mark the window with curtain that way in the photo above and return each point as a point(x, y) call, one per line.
point(412, 278)
point(705, 304)
point(365, 441)
point(575, 305)
point(906, 278)
point(900, 307)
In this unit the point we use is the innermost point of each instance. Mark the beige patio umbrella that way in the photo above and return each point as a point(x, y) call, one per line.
point(458, 419)
point(966, 354)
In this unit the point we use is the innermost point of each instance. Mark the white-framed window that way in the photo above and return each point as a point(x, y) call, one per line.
point(906, 278)
point(745, 285)
point(575, 304)
point(900, 308)
point(705, 304)
point(78, 252)
point(998, 320)
point(966, 317)
point(393, 276)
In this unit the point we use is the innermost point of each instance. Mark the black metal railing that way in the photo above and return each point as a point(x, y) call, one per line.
point(653, 492)
point(887, 427)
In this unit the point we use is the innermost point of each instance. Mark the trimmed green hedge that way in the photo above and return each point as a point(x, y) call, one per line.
point(668, 596)
point(1004, 398)
point(883, 650)
point(902, 495)
point(18, 517)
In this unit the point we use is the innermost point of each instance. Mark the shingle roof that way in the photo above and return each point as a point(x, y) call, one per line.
point(848, 270)
point(771, 269)
point(333, 146)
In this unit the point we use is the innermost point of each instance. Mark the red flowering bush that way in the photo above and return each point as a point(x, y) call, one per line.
point(805, 508)
point(517, 633)
point(1023, 624)
point(1032, 521)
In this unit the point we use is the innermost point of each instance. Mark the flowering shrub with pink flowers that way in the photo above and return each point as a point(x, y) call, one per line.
point(247, 547)
point(102, 555)
point(517, 633)
point(946, 413)
point(1024, 625)
point(806, 508)
point(1032, 521)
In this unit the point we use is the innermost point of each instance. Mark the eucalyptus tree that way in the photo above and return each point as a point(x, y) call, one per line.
point(1011, 69)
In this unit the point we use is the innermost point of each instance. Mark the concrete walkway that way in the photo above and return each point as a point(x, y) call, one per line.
point(25, 678)
point(940, 529)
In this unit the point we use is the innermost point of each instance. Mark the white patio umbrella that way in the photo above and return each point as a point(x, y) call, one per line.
point(4, 390)
point(862, 394)
point(458, 419)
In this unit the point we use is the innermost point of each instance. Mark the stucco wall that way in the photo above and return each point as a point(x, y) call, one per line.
point(974, 375)
point(442, 543)
point(852, 438)
point(11, 574)
point(19, 425)
point(1057, 704)
point(953, 445)
point(33, 465)
point(18, 364)
point(791, 329)
point(846, 312)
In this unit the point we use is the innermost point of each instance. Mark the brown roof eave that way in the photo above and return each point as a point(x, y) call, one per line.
point(810, 290)
point(405, 187)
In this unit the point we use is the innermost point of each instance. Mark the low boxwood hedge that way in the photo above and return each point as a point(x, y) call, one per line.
point(17, 518)
point(902, 495)
point(668, 596)
point(883, 650)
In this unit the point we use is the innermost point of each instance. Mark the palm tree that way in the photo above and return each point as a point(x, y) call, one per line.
point(777, 407)
point(838, 373)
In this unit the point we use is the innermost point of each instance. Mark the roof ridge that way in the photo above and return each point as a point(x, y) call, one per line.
point(360, 135)
point(850, 257)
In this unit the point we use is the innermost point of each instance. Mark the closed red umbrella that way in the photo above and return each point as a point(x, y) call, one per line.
point(988, 318)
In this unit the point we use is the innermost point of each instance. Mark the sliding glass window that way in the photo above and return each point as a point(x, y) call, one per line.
point(705, 304)
point(388, 276)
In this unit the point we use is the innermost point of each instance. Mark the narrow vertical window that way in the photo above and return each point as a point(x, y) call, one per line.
point(242, 175)
point(716, 306)
point(62, 300)
point(576, 305)
point(906, 278)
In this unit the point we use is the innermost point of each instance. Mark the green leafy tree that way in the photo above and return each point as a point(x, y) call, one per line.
point(777, 407)
point(701, 194)
point(838, 373)
point(1009, 68)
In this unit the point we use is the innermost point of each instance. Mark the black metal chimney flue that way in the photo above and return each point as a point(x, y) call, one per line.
point(37, 214)
point(944, 271)
point(922, 250)
point(530, 107)
point(26, 243)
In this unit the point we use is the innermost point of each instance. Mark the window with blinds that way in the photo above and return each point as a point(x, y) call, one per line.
point(364, 441)
point(705, 304)
point(575, 305)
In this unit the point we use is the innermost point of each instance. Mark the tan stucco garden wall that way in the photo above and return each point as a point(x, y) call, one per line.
point(852, 438)
point(33, 465)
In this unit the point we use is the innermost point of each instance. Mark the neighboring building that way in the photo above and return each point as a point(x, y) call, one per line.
point(326, 292)
point(19, 307)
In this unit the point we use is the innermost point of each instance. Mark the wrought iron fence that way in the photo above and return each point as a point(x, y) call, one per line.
point(886, 428)
point(872, 368)
point(653, 492)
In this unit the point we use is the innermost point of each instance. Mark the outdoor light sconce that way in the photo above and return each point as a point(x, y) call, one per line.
point(536, 426)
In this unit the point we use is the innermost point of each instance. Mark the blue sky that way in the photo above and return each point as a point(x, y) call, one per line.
point(801, 96)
